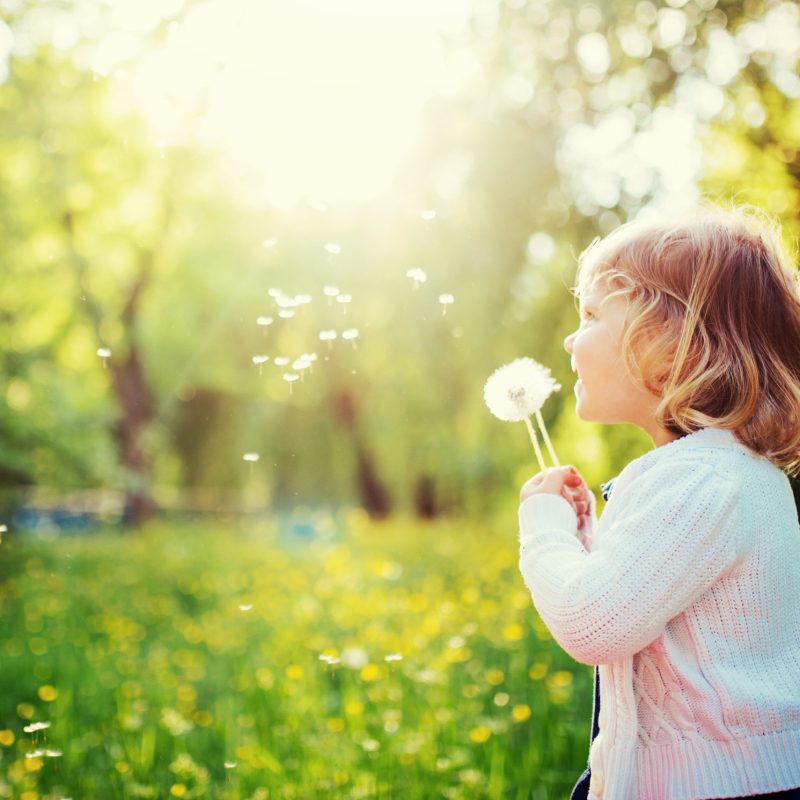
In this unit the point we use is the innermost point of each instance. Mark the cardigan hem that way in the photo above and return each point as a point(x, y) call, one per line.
point(693, 769)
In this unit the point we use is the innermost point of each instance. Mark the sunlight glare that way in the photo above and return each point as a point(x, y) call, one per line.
point(305, 99)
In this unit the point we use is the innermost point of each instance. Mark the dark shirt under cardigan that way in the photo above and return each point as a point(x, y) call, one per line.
point(581, 788)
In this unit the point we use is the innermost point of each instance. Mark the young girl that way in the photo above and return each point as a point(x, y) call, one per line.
point(686, 593)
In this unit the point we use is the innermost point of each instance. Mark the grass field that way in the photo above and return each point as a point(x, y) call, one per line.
point(335, 659)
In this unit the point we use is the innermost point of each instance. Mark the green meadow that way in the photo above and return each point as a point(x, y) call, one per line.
point(251, 660)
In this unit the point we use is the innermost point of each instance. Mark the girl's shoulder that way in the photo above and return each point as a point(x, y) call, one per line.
point(714, 453)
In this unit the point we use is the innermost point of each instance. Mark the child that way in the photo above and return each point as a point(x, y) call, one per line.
point(686, 593)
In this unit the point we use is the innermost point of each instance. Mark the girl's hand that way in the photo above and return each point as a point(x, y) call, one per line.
point(564, 481)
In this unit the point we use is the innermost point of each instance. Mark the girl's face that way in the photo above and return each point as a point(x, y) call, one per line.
point(605, 392)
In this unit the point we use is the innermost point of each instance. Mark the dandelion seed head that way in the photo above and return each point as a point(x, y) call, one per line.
point(330, 291)
point(327, 336)
point(264, 321)
point(286, 313)
point(350, 333)
point(104, 352)
point(260, 359)
point(371, 745)
point(354, 657)
point(290, 377)
point(251, 457)
point(518, 389)
point(446, 299)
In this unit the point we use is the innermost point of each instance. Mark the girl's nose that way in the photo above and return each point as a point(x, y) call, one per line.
point(568, 343)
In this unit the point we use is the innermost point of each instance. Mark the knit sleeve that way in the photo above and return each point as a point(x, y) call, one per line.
point(672, 536)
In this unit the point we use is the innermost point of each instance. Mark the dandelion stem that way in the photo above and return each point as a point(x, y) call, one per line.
point(546, 438)
point(536, 447)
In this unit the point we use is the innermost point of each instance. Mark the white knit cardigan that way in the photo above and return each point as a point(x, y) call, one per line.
point(687, 594)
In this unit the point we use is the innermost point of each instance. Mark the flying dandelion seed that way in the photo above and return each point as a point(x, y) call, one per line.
point(104, 353)
point(269, 243)
point(418, 276)
point(246, 607)
point(446, 300)
point(281, 361)
point(351, 334)
point(330, 292)
point(515, 391)
point(230, 765)
point(344, 299)
point(328, 336)
point(300, 365)
point(290, 378)
point(286, 313)
point(260, 360)
point(428, 214)
point(3, 529)
point(334, 248)
point(284, 301)
point(393, 657)
point(36, 726)
point(264, 322)
point(310, 358)
point(35, 754)
point(251, 458)
point(302, 299)
point(53, 753)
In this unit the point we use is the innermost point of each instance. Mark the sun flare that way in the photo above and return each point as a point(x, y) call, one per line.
point(307, 99)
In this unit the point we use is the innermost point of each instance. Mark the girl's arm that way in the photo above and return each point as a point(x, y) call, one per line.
point(672, 537)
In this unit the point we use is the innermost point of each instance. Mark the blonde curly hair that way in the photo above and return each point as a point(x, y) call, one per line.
point(713, 322)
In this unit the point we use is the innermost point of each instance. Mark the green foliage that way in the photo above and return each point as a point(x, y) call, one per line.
point(110, 240)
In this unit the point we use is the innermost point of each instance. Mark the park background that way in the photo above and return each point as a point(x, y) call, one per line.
point(230, 569)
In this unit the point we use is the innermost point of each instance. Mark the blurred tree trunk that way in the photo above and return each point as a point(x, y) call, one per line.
point(129, 379)
point(425, 504)
point(136, 407)
point(372, 491)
